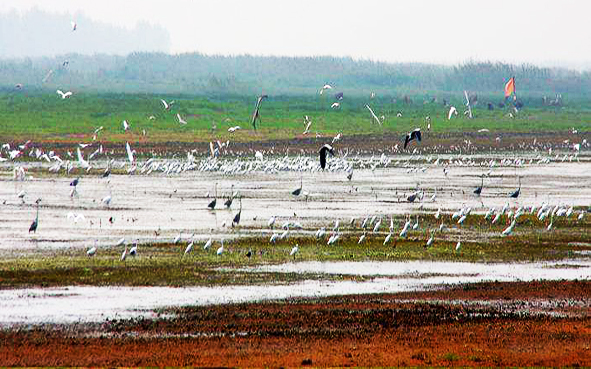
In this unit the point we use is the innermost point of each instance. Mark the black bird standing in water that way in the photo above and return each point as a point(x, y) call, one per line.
point(518, 191)
point(323, 152)
point(478, 190)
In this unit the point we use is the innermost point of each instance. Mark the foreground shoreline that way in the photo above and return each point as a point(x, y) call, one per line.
point(472, 324)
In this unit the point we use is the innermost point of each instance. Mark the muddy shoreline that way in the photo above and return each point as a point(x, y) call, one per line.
point(481, 324)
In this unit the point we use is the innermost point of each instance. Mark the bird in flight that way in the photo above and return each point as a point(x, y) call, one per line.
point(452, 111)
point(374, 116)
point(64, 95)
point(324, 150)
point(74, 25)
point(166, 105)
point(325, 87)
point(181, 120)
point(335, 105)
point(255, 114)
point(414, 135)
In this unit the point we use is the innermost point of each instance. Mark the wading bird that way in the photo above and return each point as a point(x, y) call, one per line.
point(297, 191)
point(92, 251)
point(414, 135)
point(211, 205)
point(133, 250)
point(236, 219)
point(35, 223)
point(518, 191)
point(478, 190)
point(323, 152)
point(221, 248)
point(294, 250)
point(255, 114)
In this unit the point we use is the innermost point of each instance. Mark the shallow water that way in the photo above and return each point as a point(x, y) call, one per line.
point(144, 204)
point(96, 304)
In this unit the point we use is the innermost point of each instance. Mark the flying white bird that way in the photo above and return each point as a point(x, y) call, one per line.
point(64, 95)
point(335, 105)
point(166, 105)
point(325, 87)
point(125, 125)
point(468, 105)
point(129, 152)
point(452, 111)
point(234, 129)
point(181, 120)
point(373, 115)
point(83, 163)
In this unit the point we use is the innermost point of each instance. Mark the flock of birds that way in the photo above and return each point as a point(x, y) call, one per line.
point(275, 164)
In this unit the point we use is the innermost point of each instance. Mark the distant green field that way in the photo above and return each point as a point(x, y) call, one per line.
point(44, 116)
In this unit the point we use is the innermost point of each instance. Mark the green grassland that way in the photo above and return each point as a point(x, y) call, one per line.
point(46, 117)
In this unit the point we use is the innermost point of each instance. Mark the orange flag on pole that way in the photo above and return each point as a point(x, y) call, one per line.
point(510, 87)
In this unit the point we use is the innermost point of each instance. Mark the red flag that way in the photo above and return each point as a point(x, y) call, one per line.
point(510, 87)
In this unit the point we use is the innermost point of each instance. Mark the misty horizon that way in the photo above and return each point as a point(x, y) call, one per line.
point(40, 31)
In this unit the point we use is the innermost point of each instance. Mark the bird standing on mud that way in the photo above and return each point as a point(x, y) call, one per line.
point(255, 114)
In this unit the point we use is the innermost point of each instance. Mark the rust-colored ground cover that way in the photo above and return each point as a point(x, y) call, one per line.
point(484, 324)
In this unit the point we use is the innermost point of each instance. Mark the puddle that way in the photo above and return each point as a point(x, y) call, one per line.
point(96, 304)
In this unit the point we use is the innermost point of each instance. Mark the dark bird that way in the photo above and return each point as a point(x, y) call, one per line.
point(249, 254)
point(297, 191)
point(35, 223)
point(518, 191)
point(75, 182)
point(107, 172)
point(228, 202)
point(255, 114)
point(211, 205)
point(236, 219)
point(478, 190)
point(412, 197)
point(323, 150)
point(339, 96)
point(416, 134)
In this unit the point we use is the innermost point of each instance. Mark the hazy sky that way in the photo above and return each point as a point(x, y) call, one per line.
point(534, 31)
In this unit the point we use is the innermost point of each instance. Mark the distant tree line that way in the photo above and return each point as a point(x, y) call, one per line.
point(198, 74)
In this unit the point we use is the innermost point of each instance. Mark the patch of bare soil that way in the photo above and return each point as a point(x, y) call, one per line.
point(367, 330)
